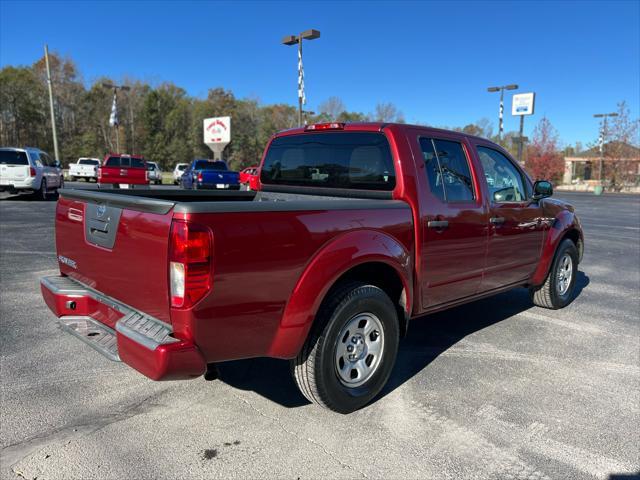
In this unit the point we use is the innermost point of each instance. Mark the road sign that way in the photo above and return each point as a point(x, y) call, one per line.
point(217, 133)
point(523, 104)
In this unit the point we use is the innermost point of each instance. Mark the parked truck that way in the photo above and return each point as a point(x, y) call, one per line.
point(120, 170)
point(209, 174)
point(357, 230)
point(86, 168)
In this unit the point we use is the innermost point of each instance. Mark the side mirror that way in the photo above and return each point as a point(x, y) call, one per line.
point(542, 189)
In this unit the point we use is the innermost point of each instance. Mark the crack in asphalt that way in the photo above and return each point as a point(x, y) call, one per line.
point(14, 453)
point(294, 434)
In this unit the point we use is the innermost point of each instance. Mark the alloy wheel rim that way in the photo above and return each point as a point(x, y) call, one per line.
point(359, 349)
point(564, 274)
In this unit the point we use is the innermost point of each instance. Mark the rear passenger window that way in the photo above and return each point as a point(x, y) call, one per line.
point(432, 167)
point(113, 162)
point(447, 170)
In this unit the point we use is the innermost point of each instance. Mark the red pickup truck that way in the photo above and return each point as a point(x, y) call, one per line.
point(356, 230)
point(123, 170)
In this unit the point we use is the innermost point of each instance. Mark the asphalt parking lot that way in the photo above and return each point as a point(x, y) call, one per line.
point(494, 389)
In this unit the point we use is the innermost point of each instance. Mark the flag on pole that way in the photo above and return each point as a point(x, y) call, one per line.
point(301, 78)
point(113, 118)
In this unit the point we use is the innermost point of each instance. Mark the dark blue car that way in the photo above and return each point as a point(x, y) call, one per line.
point(213, 174)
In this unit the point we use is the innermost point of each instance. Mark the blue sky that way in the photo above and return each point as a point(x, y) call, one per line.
point(433, 60)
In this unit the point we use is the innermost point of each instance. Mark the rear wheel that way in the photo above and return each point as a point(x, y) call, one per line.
point(558, 289)
point(72, 178)
point(351, 350)
point(42, 193)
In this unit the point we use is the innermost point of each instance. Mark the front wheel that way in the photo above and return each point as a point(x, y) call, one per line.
point(351, 349)
point(558, 289)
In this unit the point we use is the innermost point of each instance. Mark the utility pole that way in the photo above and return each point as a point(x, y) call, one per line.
point(501, 114)
point(53, 114)
point(603, 138)
point(293, 40)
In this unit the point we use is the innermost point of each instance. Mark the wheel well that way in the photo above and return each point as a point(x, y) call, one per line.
point(384, 277)
point(574, 236)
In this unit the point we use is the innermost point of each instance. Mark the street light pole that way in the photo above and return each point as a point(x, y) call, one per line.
point(293, 40)
point(125, 88)
point(603, 136)
point(501, 115)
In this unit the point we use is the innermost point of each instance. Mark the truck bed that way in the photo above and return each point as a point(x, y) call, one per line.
point(262, 244)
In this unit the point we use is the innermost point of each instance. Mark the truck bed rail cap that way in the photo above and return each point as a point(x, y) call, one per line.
point(130, 202)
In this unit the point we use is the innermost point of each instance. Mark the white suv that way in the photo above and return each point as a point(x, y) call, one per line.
point(29, 170)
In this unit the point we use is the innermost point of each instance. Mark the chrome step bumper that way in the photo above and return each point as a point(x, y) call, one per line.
point(93, 333)
point(143, 342)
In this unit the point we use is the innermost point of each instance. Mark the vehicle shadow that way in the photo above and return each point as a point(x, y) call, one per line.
point(428, 337)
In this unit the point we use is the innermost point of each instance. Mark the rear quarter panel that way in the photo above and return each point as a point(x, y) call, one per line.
point(259, 259)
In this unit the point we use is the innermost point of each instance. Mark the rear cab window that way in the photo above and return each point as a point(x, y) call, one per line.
point(355, 160)
point(125, 162)
point(12, 157)
point(86, 161)
point(209, 165)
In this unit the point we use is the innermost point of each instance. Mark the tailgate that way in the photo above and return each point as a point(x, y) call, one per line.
point(13, 173)
point(123, 175)
point(118, 246)
point(213, 176)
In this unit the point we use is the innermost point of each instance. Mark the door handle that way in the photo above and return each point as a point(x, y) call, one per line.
point(438, 224)
point(496, 220)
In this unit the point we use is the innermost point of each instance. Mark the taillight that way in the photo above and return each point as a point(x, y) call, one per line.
point(200, 177)
point(146, 175)
point(99, 172)
point(32, 172)
point(325, 126)
point(190, 252)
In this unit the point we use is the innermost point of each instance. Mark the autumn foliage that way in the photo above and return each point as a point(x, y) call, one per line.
point(544, 159)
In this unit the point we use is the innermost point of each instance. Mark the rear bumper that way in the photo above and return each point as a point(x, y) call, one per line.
point(26, 184)
point(214, 186)
point(121, 333)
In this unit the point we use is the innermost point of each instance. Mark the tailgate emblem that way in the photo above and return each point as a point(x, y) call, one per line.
point(101, 210)
point(67, 261)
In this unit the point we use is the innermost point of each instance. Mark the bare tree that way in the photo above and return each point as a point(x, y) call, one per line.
point(332, 107)
point(621, 152)
point(388, 112)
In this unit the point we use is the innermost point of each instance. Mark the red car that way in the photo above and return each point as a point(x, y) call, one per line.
point(361, 229)
point(250, 176)
point(123, 170)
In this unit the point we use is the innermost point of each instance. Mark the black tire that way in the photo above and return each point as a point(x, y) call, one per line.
point(72, 179)
point(315, 369)
point(42, 193)
point(550, 294)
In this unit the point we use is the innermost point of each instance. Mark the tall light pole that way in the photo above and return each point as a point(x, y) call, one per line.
point(53, 114)
point(603, 137)
point(125, 88)
point(293, 40)
point(501, 90)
